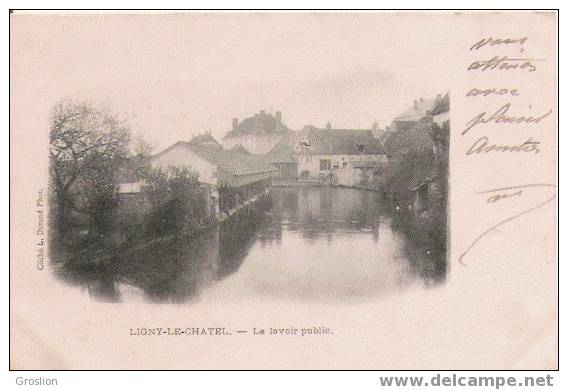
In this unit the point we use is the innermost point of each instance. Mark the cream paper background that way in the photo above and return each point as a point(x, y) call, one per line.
point(499, 312)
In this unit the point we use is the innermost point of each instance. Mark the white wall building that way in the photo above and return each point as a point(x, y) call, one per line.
point(247, 175)
point(342, 154)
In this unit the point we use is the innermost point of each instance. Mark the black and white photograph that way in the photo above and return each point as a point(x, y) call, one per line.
point(265, 211)
point(283, 190)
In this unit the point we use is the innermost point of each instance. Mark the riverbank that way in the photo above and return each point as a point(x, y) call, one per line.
point(259, 244)
point(222, 216)
point(296, 183)
point(318, 183)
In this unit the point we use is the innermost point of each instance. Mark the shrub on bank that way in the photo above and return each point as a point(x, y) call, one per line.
point(177, 202)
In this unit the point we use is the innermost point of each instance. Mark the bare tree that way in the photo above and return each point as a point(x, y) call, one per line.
point(86, 147)
point(142, 148)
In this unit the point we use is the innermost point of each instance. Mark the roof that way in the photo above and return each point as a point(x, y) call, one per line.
point(442, 106)
point(236, 164)
point(417, 110)
point(204, 139)
point(365, 164)
point(338, 141)
point(240, 149)
point(260, 123)
point(283, 151)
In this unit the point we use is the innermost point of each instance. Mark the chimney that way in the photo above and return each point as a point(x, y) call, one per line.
point(278, 115)
point(235, 123)
point(375, 125)
point(438, 97)
point(416, 104)
point(262, 112)
point(328, 126)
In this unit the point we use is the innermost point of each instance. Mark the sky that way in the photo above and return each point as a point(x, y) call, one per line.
point(177, 75)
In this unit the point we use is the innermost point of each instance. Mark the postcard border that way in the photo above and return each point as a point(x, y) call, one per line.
point(556, 10)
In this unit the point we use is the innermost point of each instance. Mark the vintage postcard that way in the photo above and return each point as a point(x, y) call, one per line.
point(283, 190)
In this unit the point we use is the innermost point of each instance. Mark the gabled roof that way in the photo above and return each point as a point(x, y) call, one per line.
point(261, 123)
point(233, 163)
point(338, 141)
point(417, 110)
point(240, 149)
point(283, 151)
point(204, 139)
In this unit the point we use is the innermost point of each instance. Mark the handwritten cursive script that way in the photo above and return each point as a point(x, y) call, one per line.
point(499, 117)
point(505, 192)
point(505, 63)
point(481, 145)
point(499, 41)
point(492, 91)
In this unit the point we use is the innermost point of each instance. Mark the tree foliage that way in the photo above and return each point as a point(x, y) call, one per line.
point(87, 147)
point(142, 148)
point(410, 163)
point(177, 201)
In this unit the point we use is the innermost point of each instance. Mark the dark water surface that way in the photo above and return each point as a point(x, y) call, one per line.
point(304, 243)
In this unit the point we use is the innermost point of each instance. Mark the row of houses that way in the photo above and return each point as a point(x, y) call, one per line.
point(347, 157)
point(261, 149)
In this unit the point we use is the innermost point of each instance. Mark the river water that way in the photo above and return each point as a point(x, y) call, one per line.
point(300, 243)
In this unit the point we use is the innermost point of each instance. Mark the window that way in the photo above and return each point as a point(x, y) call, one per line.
point(344, 165)
point(325, 164)
point(361, 148)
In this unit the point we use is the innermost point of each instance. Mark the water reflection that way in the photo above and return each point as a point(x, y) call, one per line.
point(302, 243)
